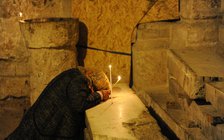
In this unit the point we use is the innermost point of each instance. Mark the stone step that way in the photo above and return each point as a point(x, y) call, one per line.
point(192, 68)
point(208, 119)
point(215, 95)
point(176, 118)
point(179, 94)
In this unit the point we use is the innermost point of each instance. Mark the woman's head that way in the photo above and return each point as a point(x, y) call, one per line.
point(97, 77)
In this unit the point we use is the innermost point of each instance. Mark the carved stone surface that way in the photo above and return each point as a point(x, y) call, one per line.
point(179, 94)
point(191, 68)
point(45, 64)
point(14, 86)
point(215, 94)
point(50, 32)
point(14, 67)
point(199, 9)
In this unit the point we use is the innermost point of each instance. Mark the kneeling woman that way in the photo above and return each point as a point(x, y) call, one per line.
point(59, 111)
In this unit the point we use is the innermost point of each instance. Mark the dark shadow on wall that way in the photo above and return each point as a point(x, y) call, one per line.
point(82, 43)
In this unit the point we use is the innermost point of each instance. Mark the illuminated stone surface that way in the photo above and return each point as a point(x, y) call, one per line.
point(179, 94)
point(45, 64)
point(150, 55)
point(50, 54)
point(13, 53)
point(204, 115)
point(191, 68)
point(111, 26)
point(177, 119)
point(123, 116)
point(50, 32)
point(215, 94)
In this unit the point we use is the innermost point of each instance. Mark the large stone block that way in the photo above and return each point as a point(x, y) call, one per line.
point(215, 95)
point(149, 67)
point(221, 33)
point(205, 117)
point(179, 94)
point(199, 9)
point(154, 30)
point(192, 68)
point(14, 86)
point(222, 6)
point(13, 68)
point(198, 33)
point(45, 65)
point(50, 32)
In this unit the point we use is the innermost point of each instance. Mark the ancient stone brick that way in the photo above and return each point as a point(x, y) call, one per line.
point(199, 9)
point(15, 86)
point(179, 34)
point(179, 94)
point(151, 44)
point(149, 67)
point(154, 31)
point(48, 34)
point(221, 33)
point(204, 115)
point(13, 68)
point(198, 33)
point(192, 68)
point(45, 65)
point(215, 94)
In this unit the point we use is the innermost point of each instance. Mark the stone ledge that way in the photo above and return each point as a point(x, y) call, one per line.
point(176, 119)
point(192, 68)
point(215, 94)
point(206, 117)
point(124, 116)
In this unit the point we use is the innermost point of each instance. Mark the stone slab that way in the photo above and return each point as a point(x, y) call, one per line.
point(124, 117)
point(192, 68)
point(154, 30)
point(50, 33)
point(204, 115)
point(199, 9)
point(13, 68)
point(179, 94)
point(45, 65)
point(14, 86)
point(215, 94)
point(149, 66)
point(194, 33)
point(176, 119)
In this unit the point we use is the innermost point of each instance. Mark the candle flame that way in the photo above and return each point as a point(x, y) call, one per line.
point(110, 66)
point(119, 78)
point(20, 14)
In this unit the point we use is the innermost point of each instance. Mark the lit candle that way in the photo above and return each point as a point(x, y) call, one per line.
point(110, 66)
point(20, 14)
point(118, 79)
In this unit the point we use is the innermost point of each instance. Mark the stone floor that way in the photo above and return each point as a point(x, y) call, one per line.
point(11, 112)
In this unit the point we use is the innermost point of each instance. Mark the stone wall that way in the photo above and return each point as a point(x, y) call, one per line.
point(110, 27)
point(221, 30)
point(14, 56)
point(198, 27)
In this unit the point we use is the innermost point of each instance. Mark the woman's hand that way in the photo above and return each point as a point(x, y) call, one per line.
point(104, 94)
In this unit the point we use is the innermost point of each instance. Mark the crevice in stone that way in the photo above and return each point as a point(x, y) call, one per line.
point(165, 130)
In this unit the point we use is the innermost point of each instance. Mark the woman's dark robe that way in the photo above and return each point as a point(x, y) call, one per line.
point(59, 111)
